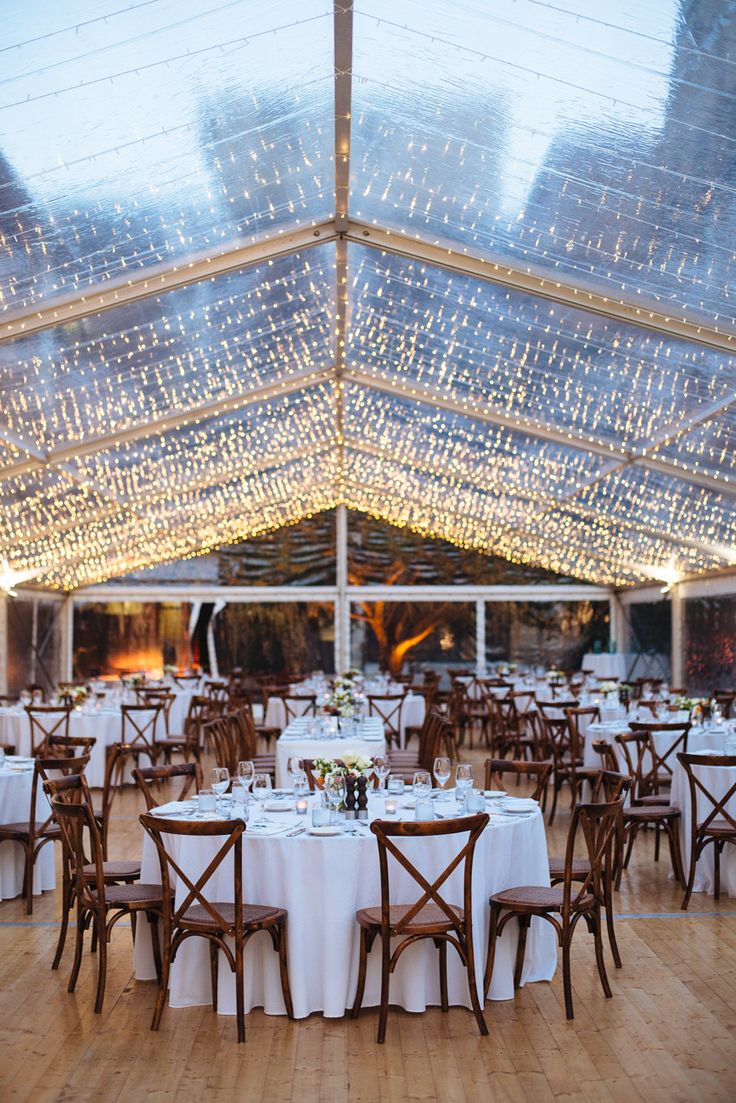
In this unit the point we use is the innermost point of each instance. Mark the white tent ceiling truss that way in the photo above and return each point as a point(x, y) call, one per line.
point(467, 266)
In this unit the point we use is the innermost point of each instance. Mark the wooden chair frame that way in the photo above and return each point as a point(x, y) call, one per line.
point(215, 925)
point(396, 921)
point(190, 771)
point(539, 771)
point(40, 732)
point(388, 707)
point(708, 830)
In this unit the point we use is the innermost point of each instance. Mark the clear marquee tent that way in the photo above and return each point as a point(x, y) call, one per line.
point(467, 266)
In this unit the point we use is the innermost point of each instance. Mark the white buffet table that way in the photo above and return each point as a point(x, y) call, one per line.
point(16, 779)
point(321, 882)
point(297, 740)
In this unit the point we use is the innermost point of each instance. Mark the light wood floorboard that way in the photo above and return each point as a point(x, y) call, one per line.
point(669, 1033)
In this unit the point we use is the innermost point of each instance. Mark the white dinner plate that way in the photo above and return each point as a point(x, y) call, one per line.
point(327, 830)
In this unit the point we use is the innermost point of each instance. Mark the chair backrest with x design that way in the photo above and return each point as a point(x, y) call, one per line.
point(72, 788)
point(605, 750)
point(186, 681)
point(191, 772)
point(139, 727)
point(576, 718)
point(219, 734)
point(162, 698)
point(538, 772)
point(388, 707)
point(44, 771)
point(598, 825)
point(715, 807)
point(73, 813)
point(191, 890)
point(429, 892)
point(45, 721)
point(670, 736)
point(296, 705)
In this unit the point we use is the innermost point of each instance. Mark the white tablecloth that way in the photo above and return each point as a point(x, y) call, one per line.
point(15, 805)
point(718, 780)
point(322, 882)
point(368, 741)
point(104, 725)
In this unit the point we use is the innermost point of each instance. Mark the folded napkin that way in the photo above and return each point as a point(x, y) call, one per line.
point(521, 804)
point(283, 805)
point(182, 807)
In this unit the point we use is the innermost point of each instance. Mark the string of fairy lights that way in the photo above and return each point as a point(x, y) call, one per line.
point(405, 430)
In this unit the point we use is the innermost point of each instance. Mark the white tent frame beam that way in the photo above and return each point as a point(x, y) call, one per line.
point(298, 381)
point(474, 411)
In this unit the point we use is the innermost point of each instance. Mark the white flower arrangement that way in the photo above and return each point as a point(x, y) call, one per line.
point(608, 687)
point(351, 765)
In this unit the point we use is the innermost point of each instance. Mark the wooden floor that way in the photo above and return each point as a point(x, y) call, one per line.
point(668, 1034)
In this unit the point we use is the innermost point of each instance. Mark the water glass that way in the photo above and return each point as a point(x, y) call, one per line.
point(475, 801)
point(320, 816)
point(206, 802)
point(421, 785)
point(464, 776)
point(396, 786)
point(246, 773)
point(240, 802)
point(336, 790)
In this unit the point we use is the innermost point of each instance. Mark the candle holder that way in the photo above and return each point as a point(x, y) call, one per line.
point(302, 805)
point(391, 806)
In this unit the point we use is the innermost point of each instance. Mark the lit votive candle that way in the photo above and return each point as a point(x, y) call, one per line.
point(301, 806)
point(390, 806)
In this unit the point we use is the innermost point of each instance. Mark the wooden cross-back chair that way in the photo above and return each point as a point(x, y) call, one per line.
point(717, 826)
point(196, 915)
point(138, 729)
point(576, 898)
point(646, 809)
point(189, 742)
point(186, 681)
point(656, 780)
point(566, 750)
point(72, 789)
point(219, 736)
point(243, 731)
point(98, 903)
point(296, 705)
point(607, 754)
point(33, 834)
point(158, 697)
point(430, 915)
point(45, 721)
point(388, 708)
point(538, 772)
point(148, 776)
point(725, 698)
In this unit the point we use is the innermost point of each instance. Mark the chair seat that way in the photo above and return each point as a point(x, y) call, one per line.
point(254, 915)
point(580, 868)
point(652, 799)
point(132, 896)
point(431, 919)
point(116, 871)
point(172, 741)
point(536, 898)
point(718, 828)
point(651, 812)
point(21, 830)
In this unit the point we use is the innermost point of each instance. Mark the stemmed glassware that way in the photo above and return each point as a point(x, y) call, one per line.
point(336, 791)
point(422, 785)
point(295, 766)
point(381, 768)
point(246, 773)
point(220, 782)
point(464, 775)
point(442, 771)
point(262, 791)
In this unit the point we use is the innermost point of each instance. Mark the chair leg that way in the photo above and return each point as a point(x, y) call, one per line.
point(473, 987)
point(599, 959)
point(101, 967)
point(28, 878)
point(694, 854)
point(284, 971)
point(566, 978)
point(214, 950)
point(553, 809)
point(673, 835)
point(66, 905)
point(717, 870)
point(78, 946)
point(239, 990)
point(385, 978)
point(155, 944)
point(656, 843)
point(524, 922)
point(163, 986)
point(442, 952)
point(495, 913)
point(362, 967)
point(608, 900)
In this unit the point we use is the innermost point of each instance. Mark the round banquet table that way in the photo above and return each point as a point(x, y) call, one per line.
point(15, 804)
point(296, 740)
point(103, 724)
point(322, 882)
point(718, 780)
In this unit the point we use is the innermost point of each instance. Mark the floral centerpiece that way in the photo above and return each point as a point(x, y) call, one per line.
point(704, 708)
point(76, 695)
point(350, 765)
point(346, 697)
point(608, 687)
point(554, 675)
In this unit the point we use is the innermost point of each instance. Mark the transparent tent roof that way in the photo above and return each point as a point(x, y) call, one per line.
point(466, 266)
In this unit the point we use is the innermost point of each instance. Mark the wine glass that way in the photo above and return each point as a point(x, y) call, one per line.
point(246, 773)
point(464, 775)
point(220, 782)
point(294, 767)
point(301, 783)
point(261, 791)
point(422, 785)
point(336, 791)
point(442, 771)
point(381, 768)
